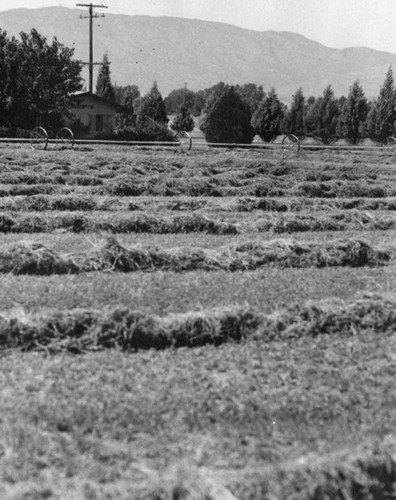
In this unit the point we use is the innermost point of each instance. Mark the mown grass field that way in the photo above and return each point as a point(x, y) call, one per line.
point(216, 324)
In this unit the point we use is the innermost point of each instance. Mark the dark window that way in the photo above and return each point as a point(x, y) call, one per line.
point(99, 123)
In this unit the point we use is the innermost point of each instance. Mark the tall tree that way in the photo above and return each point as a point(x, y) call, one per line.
point(227, 118)
point(268, 117)
point(311, 112)
point(104, 87)
point(328, 115)
point(296, 123)
point(384, 116)
point(321, 117)
point(38, 80)
point(371, 120)
point(354, 114)
point(151, 120)
point(152, 109)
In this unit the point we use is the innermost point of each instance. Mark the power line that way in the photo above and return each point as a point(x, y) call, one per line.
point(91, 16)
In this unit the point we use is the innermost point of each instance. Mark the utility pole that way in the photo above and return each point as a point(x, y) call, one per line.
point(91, 17)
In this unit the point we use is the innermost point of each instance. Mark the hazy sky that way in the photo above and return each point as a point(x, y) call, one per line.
point(335, 23)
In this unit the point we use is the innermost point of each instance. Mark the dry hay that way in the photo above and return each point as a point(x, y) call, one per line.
point(240, 257)
point(35, 258)
point(28, 190)
point(67, 202)
point(45, 202)
point(50, 178)
point(292, 253)
point(34, 223)
point(372, 312)
point(341, 221)
point(294, 204)
point(79, 331)
point(82, 330)
point(342, 189)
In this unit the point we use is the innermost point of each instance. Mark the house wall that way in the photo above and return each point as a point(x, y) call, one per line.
point(98, 116)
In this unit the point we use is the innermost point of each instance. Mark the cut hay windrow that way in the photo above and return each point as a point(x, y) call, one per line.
point(207, 187)
point(356, 220)
point(373, 312)
point(42, 179)
point(86, 330)
point(259, 186)
point(35, 258)
point(28, 190)
point(89, 203)
point(82, 330)
point(77, 223)
point(294, 204)
point(142, 223)
point(343, 189)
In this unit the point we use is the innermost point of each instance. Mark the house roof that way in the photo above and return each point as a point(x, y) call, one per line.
point(86, 94)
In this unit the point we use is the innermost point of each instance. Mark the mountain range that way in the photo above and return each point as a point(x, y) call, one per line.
point(179, 52)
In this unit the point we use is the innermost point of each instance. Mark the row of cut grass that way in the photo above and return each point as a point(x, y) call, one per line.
point(35, 258)
point(142, 223)
point(79, 202)
point(82, 330)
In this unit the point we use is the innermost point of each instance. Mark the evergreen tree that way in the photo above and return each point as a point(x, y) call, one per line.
point(354, 114)
point(268, 117)
point(183, 119)
point(327, 116)
point(311, 112)
point(296, 123)
point(151, 120)
point(104, 87)
point(321, 117)
point(227, 118)
point(382, 119)
point(371, 121)
point(152, 109)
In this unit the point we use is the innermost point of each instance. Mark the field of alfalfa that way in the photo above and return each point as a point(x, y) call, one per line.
point(216, 324)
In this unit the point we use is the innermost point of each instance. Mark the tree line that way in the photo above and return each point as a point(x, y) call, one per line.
point(38, 79)
point(236, 113)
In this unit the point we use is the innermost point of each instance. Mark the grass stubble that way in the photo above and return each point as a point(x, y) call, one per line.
point(218, 403)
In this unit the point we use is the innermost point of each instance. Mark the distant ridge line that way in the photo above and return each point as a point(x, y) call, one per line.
point(174, 51)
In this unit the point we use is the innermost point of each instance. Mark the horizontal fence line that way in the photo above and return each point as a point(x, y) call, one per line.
point(201, 144)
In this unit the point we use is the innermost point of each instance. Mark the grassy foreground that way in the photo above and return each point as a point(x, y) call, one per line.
point(216, 325)
point(286, 419)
